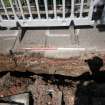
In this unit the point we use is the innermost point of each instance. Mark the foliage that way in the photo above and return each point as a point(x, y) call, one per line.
point(7, 3)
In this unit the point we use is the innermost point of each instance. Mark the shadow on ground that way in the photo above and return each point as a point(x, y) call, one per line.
point(92, 92)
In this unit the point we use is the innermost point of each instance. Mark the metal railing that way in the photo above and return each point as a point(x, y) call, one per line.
point(47, 13)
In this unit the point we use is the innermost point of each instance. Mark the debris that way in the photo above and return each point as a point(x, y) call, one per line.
point(22, 99)
point(10, 85)
point(8, 104)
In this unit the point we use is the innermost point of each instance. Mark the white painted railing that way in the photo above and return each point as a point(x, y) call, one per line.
point(45, 13)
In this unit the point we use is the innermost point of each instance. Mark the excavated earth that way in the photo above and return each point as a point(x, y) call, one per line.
point(37, 63)
point(51, 81)
point(52, 90)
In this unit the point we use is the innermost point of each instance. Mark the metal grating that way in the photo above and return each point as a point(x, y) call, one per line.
point(45, 13)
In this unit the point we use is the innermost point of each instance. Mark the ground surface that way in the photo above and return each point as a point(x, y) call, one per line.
point(87, 38)
point(65, 62)
point(74, 88)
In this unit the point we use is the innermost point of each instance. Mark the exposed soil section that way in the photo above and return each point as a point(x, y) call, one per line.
point(37, 63)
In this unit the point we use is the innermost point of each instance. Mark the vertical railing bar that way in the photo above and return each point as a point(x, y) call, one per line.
point(103, 16)
point(46, 8)
point(63, 5)
point(1, 18)
point(13, 10)
point(29, 8)
point(21, 9)
point(2, 2)
point(81, 9)
point(16, 3)
point(37, 7)
point(55, 10)
point(91, 10)
point(72, 9)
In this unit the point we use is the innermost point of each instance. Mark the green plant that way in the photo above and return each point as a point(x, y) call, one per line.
point(7, 3)
point(23, 2)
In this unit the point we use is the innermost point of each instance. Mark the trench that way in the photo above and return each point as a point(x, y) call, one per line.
point(56, 89)
point(82, 86)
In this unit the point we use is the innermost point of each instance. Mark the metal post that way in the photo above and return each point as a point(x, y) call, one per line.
point(81, 9)
point(17, 6)
point(29, 8)
point(37, 7)
point(13, 10)
point(103, 16)
point(2, 2)
point(1, 18)
point(63, 5)
point(55, 10)
point(91, 10)
point(72, 9)
point(21, 9)
point(46, 8)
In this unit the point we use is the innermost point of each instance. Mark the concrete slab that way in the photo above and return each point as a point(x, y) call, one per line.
point(7, 39)
point(61, 38)
point(88, 38)
point(32, 38)
point(64, 53)
point(6, 44)
point(8, 33)
point(63, 41)
point(92, 38)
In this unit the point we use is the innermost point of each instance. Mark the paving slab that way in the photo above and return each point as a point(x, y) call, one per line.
point(92, 38)
point(33, 38)
point(7, 40)
point(73, 40)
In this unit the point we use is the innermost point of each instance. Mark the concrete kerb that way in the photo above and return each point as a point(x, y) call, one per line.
point(59, 52)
